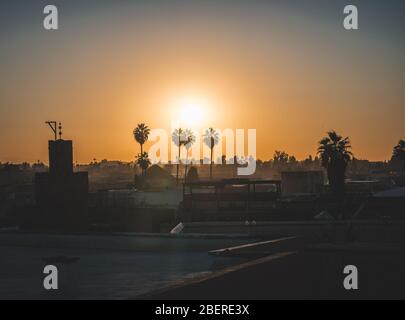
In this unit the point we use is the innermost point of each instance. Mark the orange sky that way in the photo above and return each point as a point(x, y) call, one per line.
point(291, 79)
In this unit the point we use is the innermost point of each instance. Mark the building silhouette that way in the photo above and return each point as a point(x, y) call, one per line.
point(61, 194)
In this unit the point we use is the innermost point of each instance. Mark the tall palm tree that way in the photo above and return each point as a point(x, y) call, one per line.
point(179, 139)
point(190, 140)
point(211, 138)
point(335, 154)
point(141, 135)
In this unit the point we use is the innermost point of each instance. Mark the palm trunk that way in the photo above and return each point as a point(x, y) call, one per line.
point(178, 165)
point(211, 166)
point(336, 176)
point(142, 171)
point(185, 170)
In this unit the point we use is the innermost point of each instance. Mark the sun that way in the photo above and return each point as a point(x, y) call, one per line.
point(191, 110)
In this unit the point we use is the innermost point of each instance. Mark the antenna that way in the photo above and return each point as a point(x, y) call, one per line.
point(52, 125)
point(60, 130)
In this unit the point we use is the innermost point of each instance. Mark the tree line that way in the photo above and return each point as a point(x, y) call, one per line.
point(334, 153)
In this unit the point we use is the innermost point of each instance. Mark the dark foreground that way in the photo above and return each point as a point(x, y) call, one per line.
point(311, 274)
point(104, 266)
point(171, 268)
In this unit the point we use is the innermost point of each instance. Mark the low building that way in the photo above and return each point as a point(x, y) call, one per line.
point(229, 199)
point(388, 204)
point(299, 182)
point(158, 178)
point(130, 198)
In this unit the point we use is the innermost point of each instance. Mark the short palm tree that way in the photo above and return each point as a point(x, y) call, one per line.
point(211, 139)
point(141, 135)
point(280, 159)
point(143, 161)
point(335, 154)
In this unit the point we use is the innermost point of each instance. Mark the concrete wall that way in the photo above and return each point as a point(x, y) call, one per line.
point(140, 199)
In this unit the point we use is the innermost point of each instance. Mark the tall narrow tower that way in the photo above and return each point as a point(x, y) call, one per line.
point(60, 157)
point(60, 152)
point(61, 194)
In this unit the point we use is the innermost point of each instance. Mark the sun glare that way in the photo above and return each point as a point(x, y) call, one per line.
point(191, 110)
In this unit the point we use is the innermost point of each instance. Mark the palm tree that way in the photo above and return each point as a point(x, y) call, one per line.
point(335, 156)
point(179, 139)
point(399, 151)
point(280, 158)
point(190, 140)
point(141, 135)
point(398, 155)
point(211, 138)
point(143, 161)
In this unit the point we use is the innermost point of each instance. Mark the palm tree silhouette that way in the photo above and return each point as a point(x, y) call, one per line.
point(335, 156)
point(399, 151)
point(280, 159)
point(398, 155)
point(211, 138)
point(141, 135)
point(190, 140)
point(179, 139)
point(142, 160)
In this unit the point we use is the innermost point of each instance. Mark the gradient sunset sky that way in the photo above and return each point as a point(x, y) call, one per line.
point(287, 68)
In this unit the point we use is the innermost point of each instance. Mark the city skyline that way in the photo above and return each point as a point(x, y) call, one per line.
point(290, 71)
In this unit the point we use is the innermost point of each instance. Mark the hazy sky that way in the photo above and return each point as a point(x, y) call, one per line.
point(286, 68)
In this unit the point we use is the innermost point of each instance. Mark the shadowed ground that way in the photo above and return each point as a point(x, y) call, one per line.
point(316, 274)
